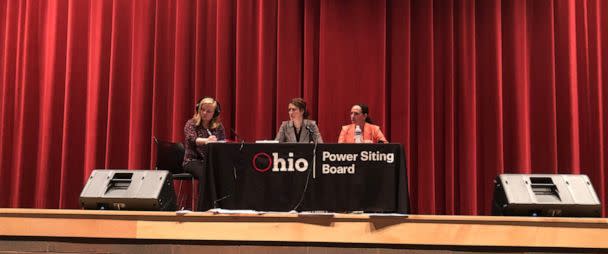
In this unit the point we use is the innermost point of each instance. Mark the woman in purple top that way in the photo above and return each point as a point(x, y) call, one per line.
point(201, 129)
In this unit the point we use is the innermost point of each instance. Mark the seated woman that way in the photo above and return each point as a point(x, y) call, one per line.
point(201, 129)
point(298, 129)
point(369, 133)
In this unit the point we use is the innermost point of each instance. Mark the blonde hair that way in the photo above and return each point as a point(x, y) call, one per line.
point(198, 120)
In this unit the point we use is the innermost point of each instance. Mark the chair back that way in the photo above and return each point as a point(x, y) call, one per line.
point(169, 156)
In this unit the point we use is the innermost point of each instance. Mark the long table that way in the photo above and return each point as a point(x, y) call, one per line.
point(305, 177)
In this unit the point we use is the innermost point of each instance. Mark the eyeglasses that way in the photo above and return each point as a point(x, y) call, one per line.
point(292, 109)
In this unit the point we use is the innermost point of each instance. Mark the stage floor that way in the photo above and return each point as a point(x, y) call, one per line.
point(343, 231)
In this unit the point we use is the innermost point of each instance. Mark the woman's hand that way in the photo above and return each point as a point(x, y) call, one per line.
point(204, 141)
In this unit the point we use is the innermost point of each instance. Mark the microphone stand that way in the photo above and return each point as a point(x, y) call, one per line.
point(236, 137)
point(312, 137)
point(314, 166)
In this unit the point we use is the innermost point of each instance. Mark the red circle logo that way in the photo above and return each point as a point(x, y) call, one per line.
point(264, 159)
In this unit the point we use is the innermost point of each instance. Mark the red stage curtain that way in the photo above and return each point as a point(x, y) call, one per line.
point(471, 88)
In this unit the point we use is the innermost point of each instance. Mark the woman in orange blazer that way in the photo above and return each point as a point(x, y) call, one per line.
point(359, 117)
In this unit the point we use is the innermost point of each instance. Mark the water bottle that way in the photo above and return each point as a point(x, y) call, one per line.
point(358, 134)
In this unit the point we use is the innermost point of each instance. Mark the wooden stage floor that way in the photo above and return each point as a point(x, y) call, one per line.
point(79, 231)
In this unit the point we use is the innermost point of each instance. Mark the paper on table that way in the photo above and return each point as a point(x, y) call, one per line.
point(316, 213)
point(228, 211)
point(266, 141)
point(217, 141)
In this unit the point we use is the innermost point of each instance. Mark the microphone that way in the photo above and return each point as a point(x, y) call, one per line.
point(236, 136)
point(311, 134)
point(217, 201)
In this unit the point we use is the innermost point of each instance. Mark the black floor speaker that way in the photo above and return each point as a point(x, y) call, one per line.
point(146, 190)
point(545, 195)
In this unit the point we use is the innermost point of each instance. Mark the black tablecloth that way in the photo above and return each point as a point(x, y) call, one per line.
point(283, 177)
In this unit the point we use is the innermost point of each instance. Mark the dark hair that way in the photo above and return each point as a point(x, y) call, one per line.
point(365, 110)
point(300, 104)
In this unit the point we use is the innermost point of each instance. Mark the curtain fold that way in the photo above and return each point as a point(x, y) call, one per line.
point(471, 88)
